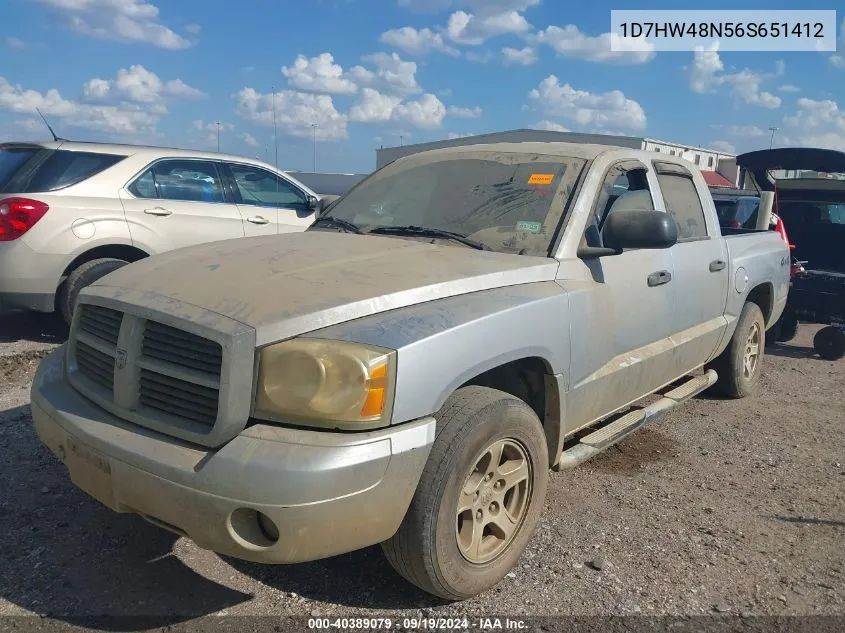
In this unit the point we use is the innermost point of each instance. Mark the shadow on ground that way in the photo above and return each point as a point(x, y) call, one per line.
point(31, 326)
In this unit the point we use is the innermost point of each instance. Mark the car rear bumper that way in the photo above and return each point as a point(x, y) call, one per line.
point(271, 495)
point(28, 279)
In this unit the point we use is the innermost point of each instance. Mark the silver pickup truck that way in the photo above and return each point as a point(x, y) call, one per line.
point(407, 371)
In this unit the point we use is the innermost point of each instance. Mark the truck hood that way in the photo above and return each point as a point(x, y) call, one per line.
point(284, 286)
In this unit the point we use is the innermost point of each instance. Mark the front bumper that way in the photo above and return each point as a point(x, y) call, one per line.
point(324, 493)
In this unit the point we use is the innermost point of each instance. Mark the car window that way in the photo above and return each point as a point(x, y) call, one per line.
point(683, 203)
point(260, 187)
point(11, 161)
point(59, 169)
point(186, 180)
point(625, 186)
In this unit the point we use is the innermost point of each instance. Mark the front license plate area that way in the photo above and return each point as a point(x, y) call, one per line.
point(90, 471)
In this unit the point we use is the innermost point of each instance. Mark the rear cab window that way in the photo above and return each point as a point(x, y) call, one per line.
point(38, 170)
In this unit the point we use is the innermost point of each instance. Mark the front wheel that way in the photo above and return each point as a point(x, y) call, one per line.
point(830, 343)
point(479, 497)
point(82, 276)
point(739, 366)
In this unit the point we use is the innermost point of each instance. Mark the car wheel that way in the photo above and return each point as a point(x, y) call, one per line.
point(830, 343)
point(739, 366)
point(82, 276)
point(479, 497)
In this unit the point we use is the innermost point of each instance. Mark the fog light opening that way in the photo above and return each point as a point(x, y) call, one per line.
point(253, 529)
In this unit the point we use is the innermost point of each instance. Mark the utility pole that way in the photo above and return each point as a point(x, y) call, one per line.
point(217, 123)
point(772, 139)
point(315, 126)
point(275, 141)
point(401, 141)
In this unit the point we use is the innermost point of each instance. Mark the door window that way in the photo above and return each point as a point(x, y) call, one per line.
point(625, 186)
point(683, 204)
point(256, 186)
point(186, 180)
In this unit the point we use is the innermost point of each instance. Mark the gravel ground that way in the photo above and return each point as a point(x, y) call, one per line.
point(730, 507)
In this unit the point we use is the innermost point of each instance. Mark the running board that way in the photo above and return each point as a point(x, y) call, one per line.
point(621, 427)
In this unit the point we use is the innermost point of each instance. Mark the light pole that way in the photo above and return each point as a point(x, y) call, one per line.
point(275, 138)
point(401, 141)
point(217, 123)
point(772, 139)
point(315, 126)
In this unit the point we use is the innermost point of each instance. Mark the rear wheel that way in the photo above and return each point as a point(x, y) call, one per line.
point(479, 497)
point(787, 329)
point(82, 276)
point(739, 366)
point(830, 343)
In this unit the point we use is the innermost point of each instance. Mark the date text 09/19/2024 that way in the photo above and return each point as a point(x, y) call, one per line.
point(458, 624)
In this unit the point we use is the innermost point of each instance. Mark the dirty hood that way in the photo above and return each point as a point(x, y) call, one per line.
point(288, 285)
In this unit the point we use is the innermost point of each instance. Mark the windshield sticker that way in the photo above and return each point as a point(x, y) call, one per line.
point(541, 179)
point(529, 227)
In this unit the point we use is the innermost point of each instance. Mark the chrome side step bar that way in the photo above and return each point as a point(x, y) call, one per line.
point(620, 427)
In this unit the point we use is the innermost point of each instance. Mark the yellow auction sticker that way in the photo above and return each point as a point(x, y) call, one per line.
point(541, 179)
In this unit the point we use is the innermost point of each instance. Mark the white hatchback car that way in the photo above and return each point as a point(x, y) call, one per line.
point(72, 212)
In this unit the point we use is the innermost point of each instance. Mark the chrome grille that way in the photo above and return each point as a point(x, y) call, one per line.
point(178, 397)
point(103, 323)
point(171, 345)
point(95, 365)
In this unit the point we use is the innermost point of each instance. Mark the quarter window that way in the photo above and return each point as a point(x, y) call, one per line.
point(260, 187)
point(683, 204)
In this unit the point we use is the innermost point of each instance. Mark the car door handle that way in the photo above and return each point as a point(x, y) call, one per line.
point(257, 219)
point(659, 278)
point(157, 211)
point(716, 265)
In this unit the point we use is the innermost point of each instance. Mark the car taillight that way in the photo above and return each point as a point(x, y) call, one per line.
point(18, 215)
point(780, 227)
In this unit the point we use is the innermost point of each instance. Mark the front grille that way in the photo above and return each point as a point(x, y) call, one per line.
point(95, 365)
point(103, 323)
point(178, 397)
point(169, 379)
point(171, 345)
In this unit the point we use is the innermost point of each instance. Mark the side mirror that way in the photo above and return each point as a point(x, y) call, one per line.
point(635, 228)
point(312, 203)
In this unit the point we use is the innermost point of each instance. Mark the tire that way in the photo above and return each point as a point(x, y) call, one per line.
point(734, 381)
point(788, 329)
point(830, 343)
point(426, 550)
point(82, 276)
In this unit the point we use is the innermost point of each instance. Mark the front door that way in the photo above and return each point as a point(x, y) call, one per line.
point(268, 202)
point(179, 202)
point(621, 319)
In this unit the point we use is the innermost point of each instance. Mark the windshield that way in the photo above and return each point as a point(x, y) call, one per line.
point(11, 160)
point(508, 202)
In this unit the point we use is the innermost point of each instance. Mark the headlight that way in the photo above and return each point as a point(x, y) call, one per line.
point(325, 383)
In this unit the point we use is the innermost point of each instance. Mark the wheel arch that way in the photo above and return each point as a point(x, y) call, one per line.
point(125, 252)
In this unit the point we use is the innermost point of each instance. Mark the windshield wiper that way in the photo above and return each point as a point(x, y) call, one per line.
point(338, 223)
point(422, 231)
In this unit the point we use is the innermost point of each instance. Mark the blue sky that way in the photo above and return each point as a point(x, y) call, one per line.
point(369, 72)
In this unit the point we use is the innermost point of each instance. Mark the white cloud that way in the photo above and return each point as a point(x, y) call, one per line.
point(137, 84)
point(465, 113)
point(373, 107)
point(433, 6)
point(596, 111)
point(427, 112)
point(296, 112)
point(789, 88)
point(551, 126)
point(417, 42)
point(127, 120)
point(249, 139)
point(480, 58)
point(319, 74)
point(134, 21)
point(707, 74)
point(453, 135)
point(193, 29)
point(816, 124)
point(392, 75)
point(838, 61)
point(524, 56)
point(723, 146)
point(569, 41)
point(780, 67)
point(473, 30)
point(206, 131)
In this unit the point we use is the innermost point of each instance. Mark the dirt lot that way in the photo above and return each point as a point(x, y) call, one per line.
point(720, 507)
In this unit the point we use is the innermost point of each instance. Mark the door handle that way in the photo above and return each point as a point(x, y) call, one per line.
point(158, 211)
point(257, 219)
point(716, 265)
point(659, 278)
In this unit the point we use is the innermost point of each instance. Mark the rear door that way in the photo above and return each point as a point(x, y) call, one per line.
point(700, 260)
point(179, 202)
point(268, 202)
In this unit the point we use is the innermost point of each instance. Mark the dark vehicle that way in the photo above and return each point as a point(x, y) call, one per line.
point(809, 188)
point(736, 208)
